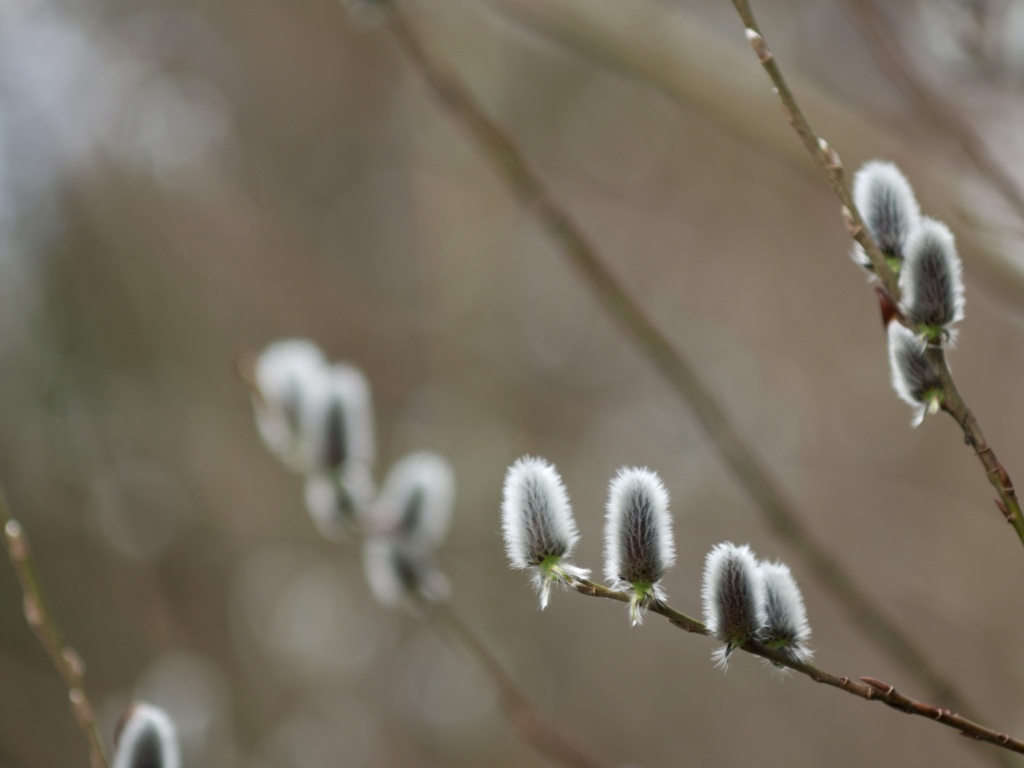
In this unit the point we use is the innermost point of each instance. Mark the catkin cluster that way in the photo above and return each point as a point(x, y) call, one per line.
point(317, 418)
point(922, 252)
point(744, 599)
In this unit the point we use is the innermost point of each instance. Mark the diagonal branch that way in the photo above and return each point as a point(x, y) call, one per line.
point(867, 688)
point(953, 402)
point(532, 728)
point(41, 619)
point(534, 196)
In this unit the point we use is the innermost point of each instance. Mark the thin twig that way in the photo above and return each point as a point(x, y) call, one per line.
point(41, 619)
point(867, 688)
point(890, 53)
point(953, 402)
point(532, 194)
point(532, 728)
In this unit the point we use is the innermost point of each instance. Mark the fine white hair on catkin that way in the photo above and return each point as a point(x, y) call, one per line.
point(639, 547)
point(887, 204)
point(733, 596)
point(536, 516)
point(786, 624)
point(914, 377)
point(931, 279)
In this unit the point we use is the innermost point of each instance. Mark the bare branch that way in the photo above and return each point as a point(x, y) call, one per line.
point(532, 728)
point(42, 621)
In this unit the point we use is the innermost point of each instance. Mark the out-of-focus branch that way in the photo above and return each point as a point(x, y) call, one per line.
point(890, 53)
point(659, 45)
point(534, 196)
point(42, 621)
point(952, 401)
point(532, 728)
point(867, 688)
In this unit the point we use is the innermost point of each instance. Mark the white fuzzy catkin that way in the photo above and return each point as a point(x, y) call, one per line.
point(537, 524)
point(285, 372)
point(416, 499)
point(786, 626)
point(395, 571)
point(147, 739)
point(887, 204)
point(733, 597)
point(536, 516)
point(931, 280)
point(337, 501)
point(337, 422)
point(639, 548)
point(914, 377)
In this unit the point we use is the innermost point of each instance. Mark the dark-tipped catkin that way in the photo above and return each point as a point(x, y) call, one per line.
point(931, 281)
point(409, 521)
point(285, 374)
point(537, 524)
point(415, 502)
point(146, 738)
point(337, 501)
point(337, 423)
point(915, 377)
point(639, 548)
point(733, 596)
point(396, 571)
point(887, 204)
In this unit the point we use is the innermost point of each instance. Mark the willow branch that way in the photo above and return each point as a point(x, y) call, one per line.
point(828, 161)
point(534, 196)
point(40, 618)
point(867, 688)
point(532, 728)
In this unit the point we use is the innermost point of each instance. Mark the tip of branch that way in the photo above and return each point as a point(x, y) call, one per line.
point(759, 45)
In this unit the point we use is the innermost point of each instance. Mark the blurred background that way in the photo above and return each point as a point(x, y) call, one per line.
point(184, 182)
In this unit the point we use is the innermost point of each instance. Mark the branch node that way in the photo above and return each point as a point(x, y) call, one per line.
point(1006, 513)
point(879, 685)
point(74, 662)
point(17, 544)
point(764, 55)
point(853, 226)
point(830, 156)
point(33, 612)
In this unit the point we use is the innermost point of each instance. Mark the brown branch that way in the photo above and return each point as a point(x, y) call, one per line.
point(867, 688)
point(532, 728)
point(40, 618)
point(533, 195)
point(953, 402)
